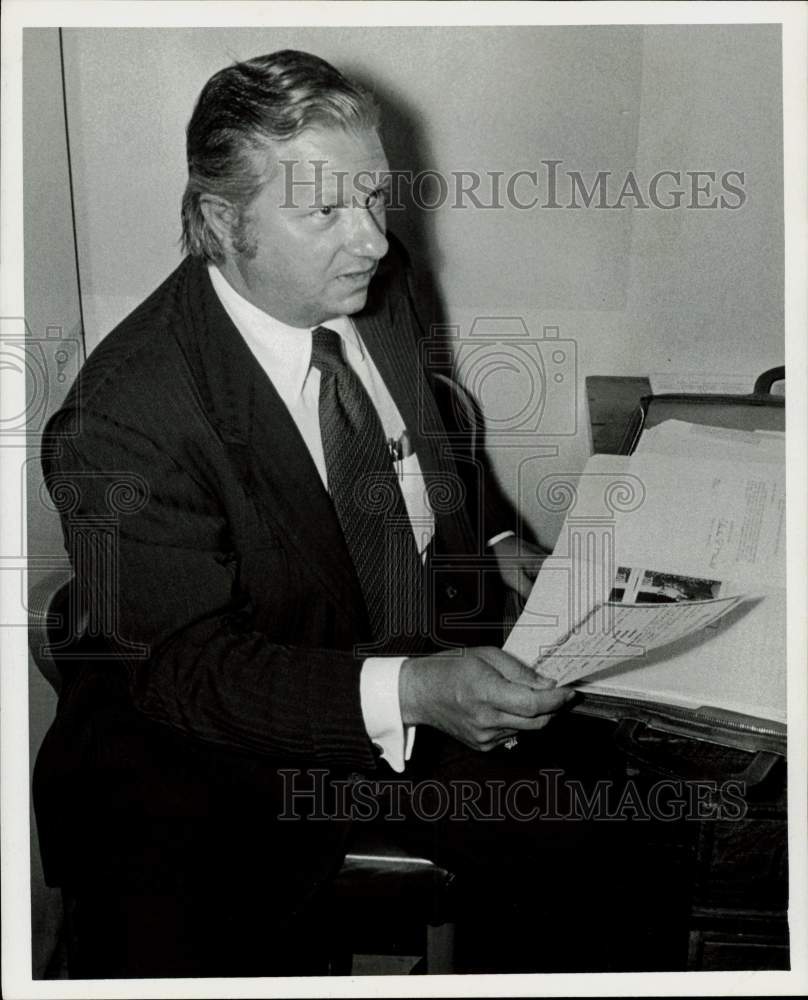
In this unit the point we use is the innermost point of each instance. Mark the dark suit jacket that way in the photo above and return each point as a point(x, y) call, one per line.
point(209, 557)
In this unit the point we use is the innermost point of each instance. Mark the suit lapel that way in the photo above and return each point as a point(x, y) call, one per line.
point(263, 441)
point(266, 447)
point(392, 341)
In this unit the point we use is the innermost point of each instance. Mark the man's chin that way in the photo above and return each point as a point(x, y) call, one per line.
point(354, 302)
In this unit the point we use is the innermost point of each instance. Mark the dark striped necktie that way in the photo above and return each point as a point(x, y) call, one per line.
point(368, 500)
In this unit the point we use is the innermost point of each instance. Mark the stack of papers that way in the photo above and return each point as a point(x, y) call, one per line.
point(668, 580)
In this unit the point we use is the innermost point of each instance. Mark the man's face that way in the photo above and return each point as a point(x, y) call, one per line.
point(316, 230)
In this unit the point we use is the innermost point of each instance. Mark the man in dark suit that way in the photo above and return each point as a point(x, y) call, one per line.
point(261, 587)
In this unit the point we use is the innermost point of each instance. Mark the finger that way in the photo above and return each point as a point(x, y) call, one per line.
point(498, 737)
point(491, 745)
point(510, 668)
point(490, 741)
point(532, 568)
point(519, 700)
point(524, 583)
point(494, 737)
point(536, 682)
point(535, 552)
point(519, 724)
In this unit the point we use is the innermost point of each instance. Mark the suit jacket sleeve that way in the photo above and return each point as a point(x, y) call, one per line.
point(160, 578)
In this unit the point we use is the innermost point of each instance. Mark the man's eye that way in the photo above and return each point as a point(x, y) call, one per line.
point(324, 211)
point(377, 197)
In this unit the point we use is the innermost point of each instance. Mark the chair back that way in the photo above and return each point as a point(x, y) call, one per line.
point(49, 603)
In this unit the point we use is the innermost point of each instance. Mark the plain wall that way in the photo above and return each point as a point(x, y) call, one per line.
point(635, 290)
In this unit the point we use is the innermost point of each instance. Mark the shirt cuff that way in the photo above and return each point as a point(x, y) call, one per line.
point(381, 709)
point(498, 538)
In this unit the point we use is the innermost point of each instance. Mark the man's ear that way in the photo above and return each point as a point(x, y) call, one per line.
point(221, 216)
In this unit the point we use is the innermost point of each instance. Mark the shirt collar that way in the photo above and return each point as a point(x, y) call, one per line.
point(284, 352)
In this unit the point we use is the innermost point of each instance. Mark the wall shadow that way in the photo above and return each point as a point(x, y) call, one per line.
point(409, 151)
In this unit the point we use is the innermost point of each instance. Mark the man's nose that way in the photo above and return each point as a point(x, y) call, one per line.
point(366, 238)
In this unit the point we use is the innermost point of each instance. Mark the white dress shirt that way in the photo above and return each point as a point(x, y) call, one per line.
point(284, 353)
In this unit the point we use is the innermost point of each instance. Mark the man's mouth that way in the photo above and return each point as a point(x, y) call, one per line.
point(359, 277)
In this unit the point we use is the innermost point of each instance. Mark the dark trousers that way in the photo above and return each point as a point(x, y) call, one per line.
point(556, 871)
point(215, 885)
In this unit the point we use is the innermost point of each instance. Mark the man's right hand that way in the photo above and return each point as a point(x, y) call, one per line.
point(481, 697)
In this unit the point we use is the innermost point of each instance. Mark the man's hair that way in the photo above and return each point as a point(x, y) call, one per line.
point(244, 108)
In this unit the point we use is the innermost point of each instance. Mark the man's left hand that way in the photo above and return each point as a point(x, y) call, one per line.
point(519, 562)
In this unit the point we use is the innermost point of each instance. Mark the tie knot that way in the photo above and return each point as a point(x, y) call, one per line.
point(326, 350)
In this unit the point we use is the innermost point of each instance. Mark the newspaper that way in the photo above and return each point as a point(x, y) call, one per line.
point(675, 593)
point(623, 633)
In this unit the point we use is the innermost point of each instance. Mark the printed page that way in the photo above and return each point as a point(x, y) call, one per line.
point(656, 529)
point(613, 633)
point(705, 518)
point(738, 664)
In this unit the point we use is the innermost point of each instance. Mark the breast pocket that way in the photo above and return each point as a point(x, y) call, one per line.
point(413, 489)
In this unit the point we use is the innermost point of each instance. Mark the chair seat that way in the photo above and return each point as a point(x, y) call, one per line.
point(376, 873)
point(376, 866)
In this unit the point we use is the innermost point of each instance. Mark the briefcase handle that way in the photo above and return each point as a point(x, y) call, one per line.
point(764, 382)
point(626, 737)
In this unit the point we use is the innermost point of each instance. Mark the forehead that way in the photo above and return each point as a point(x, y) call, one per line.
point(329, 161)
